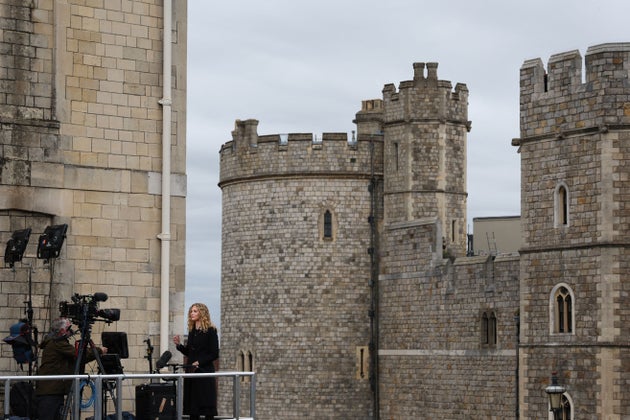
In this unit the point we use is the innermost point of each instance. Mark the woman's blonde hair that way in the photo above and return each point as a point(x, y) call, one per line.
point(204, 317)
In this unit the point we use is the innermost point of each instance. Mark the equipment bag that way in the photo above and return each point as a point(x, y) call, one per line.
point(20, 341)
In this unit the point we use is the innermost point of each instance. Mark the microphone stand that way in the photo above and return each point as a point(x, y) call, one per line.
point(32, 330)
point(149, 355)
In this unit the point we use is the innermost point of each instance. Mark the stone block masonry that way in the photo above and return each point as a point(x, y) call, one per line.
point(81, 144)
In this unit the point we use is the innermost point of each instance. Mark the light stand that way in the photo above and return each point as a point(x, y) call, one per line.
point(16, 246)
point(25, 334)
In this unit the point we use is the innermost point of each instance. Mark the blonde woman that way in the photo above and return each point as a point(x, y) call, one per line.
point(201, 350)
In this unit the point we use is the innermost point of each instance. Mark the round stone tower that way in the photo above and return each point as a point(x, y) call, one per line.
point(296, 269)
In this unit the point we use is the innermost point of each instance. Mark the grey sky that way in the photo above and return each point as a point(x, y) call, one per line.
point(301, 66)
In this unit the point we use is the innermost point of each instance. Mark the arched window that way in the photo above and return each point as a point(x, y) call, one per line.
point(327, 224)
point(240, 361)
point(561, 205)
point(250, 361)
point(566, 412)
point(562, 309)
point(245, 363)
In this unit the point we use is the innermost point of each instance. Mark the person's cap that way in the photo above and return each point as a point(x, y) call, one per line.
point(16, 332)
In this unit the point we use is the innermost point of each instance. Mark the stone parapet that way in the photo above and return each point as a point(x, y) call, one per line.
point(563, 100)
point(249, 156)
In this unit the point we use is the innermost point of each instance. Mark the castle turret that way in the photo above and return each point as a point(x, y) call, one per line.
point(425, 128)
point(369, 119)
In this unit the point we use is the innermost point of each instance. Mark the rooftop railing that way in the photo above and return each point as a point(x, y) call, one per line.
point(102, 384)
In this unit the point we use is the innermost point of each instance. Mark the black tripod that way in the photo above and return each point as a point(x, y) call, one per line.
point(84, 345)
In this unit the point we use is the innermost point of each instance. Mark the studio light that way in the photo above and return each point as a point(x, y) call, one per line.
point(16, 246)
point(50, 242)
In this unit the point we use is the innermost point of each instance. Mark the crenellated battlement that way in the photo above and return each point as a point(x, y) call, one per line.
point(561, 99)
point(251, 155)
point(426, 98)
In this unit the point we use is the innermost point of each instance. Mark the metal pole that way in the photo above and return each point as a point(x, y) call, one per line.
point(236, 389)
point(118, 398)
point(7, 389)
point(252, 397)
point(517, 319)
point(179, 402)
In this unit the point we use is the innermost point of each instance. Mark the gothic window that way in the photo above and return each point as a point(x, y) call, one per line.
point(565, 414)
point(245, 363)
point(561, 206)
point(250, 361)
point(240, 361)
point(562, 305)
point(327, 225)
point(566, 410)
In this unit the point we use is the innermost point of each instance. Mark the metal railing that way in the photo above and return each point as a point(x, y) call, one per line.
point(177, 378)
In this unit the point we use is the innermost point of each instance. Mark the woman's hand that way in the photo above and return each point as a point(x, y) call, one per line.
point(176, 340)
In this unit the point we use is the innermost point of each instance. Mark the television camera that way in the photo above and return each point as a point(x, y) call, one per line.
point(84, 309)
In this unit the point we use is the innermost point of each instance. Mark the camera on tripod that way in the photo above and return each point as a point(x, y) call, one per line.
point(84, 309)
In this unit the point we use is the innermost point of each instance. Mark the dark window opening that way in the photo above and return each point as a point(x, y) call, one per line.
point(489, 329)
point(563, 206)
point(327, 225)
point(565, 413)
point(484, 328)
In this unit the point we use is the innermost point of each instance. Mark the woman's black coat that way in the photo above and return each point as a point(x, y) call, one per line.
point(200, 395)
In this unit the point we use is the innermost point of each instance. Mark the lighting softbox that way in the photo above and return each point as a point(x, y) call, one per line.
point(16, 246)
point(50, 242)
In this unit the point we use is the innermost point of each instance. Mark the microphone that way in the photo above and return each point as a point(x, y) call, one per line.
point(163, 360)
point(100, 297)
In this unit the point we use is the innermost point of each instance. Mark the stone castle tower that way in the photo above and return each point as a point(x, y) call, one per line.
point(575, 132)
point(448, 335)
point(295, 269)
point(339, 257)
point(84, 111)
point(425, 126)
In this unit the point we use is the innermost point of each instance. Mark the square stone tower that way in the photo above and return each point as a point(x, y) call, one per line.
point(575, 132)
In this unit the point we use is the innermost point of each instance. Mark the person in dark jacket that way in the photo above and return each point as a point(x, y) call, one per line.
point(58, 358)
point(201, 350)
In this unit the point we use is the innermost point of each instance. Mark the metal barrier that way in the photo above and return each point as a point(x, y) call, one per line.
point(177, 377)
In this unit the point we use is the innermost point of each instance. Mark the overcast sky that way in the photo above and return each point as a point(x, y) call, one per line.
point(300, 66)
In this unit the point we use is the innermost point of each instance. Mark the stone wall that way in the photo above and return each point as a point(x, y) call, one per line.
point(81, 145)
point(433, 360)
